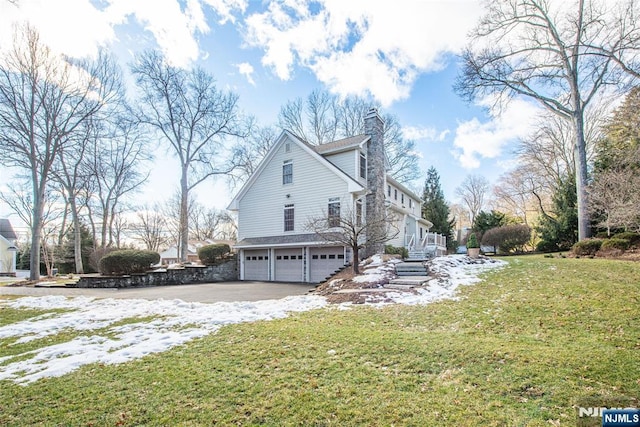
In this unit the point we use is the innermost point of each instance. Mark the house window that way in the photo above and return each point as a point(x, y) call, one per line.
point(287, 147)
point(410, 203)
point(389, 190)
point(288, 217)
point(363, 166)
point(395, 194)
point(402, 198)
point(334, 212)
point(287, 172)
point(359, 213)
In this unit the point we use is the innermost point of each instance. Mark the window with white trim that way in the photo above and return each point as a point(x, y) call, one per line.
point(334, 212)
point(363, 165)
point(287, 172)
point(288, 217)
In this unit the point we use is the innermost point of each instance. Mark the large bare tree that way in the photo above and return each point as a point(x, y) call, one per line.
point(322, 118)
point(193, 118)
point(559, 54)
point(44, 98)
point(117, 163)
point(472, 193)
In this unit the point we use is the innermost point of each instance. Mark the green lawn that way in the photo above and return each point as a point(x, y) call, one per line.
point(523, 348)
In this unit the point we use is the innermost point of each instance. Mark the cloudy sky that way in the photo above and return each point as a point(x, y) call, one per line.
point(401, 54)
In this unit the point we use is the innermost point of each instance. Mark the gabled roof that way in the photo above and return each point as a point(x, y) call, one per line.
point(6, 230)
point(353, 185)
point(341, 145)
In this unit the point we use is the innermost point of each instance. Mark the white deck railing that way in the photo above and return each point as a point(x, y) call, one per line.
point(432, 244)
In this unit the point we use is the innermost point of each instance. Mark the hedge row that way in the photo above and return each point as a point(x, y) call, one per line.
point(210, 254)
point(620, 242)
point(128, 261)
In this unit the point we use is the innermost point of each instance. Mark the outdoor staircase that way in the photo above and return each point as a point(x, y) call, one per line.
point(411, 273)
point(417, 256)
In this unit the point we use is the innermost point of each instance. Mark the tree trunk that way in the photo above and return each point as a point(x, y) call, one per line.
point(184, 215)
point(356, 260)
point(584, 231)
point(36, 228)
point(77, 237)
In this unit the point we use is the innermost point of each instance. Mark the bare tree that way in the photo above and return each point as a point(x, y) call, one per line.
point(117, 162)
point(209, 224)
point(350, 229)
point(150, 228)
point(615, 196)
point(552, 53)
point(193, 118)
point(472, 193)
point(322, 118)
point(44, 98)
point(68, 173)
point(250, 151)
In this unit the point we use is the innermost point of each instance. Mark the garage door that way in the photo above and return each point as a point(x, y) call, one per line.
point(256, 265)
point(324, 262)
point(289, 265)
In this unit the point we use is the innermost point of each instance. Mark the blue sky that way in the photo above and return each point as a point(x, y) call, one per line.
point(401, 54)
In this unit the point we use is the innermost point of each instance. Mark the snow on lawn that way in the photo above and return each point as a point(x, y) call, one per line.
point(156, 326)
point(451, 271)
point(175, 323)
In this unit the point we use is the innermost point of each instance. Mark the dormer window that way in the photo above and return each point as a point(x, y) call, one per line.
point(287, 172)
point(363, 165)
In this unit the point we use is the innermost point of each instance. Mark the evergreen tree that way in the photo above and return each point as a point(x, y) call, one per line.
point(66, 260)
point(434, 206)
point(615, 201)
point(487, 220)
point(558, 230)
point(621, 138)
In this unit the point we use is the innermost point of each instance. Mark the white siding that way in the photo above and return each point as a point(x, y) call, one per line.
point(345, 161)
point(261, 209)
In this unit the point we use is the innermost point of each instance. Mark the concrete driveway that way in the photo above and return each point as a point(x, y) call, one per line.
point(208, 292)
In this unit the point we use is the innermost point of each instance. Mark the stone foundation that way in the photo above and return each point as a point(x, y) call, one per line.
point(227, 271)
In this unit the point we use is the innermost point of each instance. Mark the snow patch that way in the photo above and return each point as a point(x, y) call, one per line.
point(156, 326)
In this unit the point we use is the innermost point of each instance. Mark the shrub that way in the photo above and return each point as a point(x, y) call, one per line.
point(210, 254)
point(472, 241)
point(587, 247)
point(631, 237)
point(128, 261)
point(615, 243)
point(507, 237)
point(396, 250)
point(546, 246)
point(96, 255)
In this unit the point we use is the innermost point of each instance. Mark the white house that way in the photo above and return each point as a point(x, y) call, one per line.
point(8, 249)
point(297, 181)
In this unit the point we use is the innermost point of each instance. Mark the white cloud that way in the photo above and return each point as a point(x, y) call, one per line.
point(59, 24)
point(78, 27)
point(427, 133)
point(475, 140)
point(362, 47)
point(246, 70)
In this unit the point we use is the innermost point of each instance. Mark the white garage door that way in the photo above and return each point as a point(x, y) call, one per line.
point(289, 265)
point(256, 265)
point(324, 262)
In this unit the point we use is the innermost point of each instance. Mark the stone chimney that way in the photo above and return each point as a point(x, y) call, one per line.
point(375, 208)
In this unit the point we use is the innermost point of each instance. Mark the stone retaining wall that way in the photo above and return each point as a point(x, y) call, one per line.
point(224, 272)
